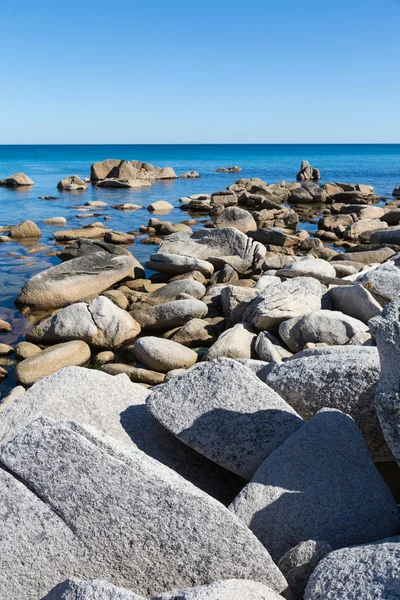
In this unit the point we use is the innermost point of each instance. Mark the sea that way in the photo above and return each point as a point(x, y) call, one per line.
point(373, 164)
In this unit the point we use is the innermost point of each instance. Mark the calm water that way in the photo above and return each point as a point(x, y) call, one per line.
point(377, 165)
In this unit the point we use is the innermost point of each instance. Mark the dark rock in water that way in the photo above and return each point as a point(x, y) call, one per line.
point(307, 172)
point(49, 197)
point(83, 247)
point(233, 169)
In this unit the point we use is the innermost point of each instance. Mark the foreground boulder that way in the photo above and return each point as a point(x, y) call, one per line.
point(369, 572)
point(342, 377)
point(224, 412)
point(299, 563)
point(229, 589)
point(163, 355)
point(17, 180)
point(76, 589)
point(129, 529)
point(320, 484)
point(75, 280)
point(171, 314)
point(238, 218)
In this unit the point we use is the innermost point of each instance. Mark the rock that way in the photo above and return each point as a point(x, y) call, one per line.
point(233, 169)
point(177, 264)
point(50, 360)
point(194, 333)
point(26, 350)
point(160, 206)
point(363, 229)
point(269, 348)
point(369, 572)
point(318, 193)
point(366, 257)
point(282, 301)
point(311, 267)
point(168, 228)
point(61, 221)
point(223, 246)
point(190, 175)
point(126, 206)
point(74, 280)
point(396, 191)
point(117, 297)
point(228, 589)
point(118, 237)
point(238, 218)
point(338, 377)
point(15, 393)
point(102, 358)
point(75, 234)
point(5, 327)
point(299, 563)
point(171, 314)
point(26, 229)
point(172, 290)
point(83, 247)
point(17, 180)
point(383, 283)
point(225, 198)
point(124, 170)
point(96, 203)
point(307, 172)
point(123, 183)
point(385, 328)
point(236, 421)
point(80, 475)
point(76, 589)
point(331, 188)
point(100, 170)
point(235, 297)
point(236, 342)
point(163, 355)
point(135, 374)
point(356, 301)
point(389, 235)
point(6, 349)
point(72, 183)
point(101, 323)
point(319, 484)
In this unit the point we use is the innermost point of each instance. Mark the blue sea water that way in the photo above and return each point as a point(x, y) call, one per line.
point(377, 165)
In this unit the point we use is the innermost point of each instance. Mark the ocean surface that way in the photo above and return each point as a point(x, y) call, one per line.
point(377, 165)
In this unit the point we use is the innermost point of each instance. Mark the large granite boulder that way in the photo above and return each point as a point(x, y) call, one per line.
point(25, 230)
point(369, 572)
point(355, 301)
point(224, 412)
point(311, 267)
point(319, 484)
point(84, 246)
point(299, 563)
point(235, 342)
point(17, 180)
point(238, 218)
point(307, 172)
point(175, 264)
point(129, 511)
point(228, 589)
point(77, 279)
point(342, 377)
point(94, 589)
point(170, 314)
point(100, 170)
point(383, 283)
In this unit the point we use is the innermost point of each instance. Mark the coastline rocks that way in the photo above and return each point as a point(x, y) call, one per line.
point(176, 264)
point(61, 221)
point(126, 206)
point(236, 421)
point(118, 237)
point(72, 183)
point(170, 314)
point(307, 172)
point(76, 589)
point(135, 374)
point(319, 484)
point(160, 206)
point(390, 235)
point(80, 476)
point(75, 234)
point(84, 247)
point(171, 291)
point(238, 218)
point(236, 342)
point(17, 180)
point(100, 323)
point(30, 370)
point(100, 170)
point(300, 562)
point(281, 301)
point(355, 301)
point(234, 169)
point(341, 377)
point(75, 280)
point(224, 198)
point(311, 267)
point(228, 589)
point(190, 175)
point(123, 183)
point(366, 257)
point(369, 572)
point(163, 355)
point(25, 230)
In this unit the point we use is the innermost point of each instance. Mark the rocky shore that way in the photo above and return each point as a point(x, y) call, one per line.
point(221, 422)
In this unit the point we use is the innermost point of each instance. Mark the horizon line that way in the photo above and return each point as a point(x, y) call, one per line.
point(204, 144)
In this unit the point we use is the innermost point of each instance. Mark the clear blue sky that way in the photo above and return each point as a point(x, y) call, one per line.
point(261, 71)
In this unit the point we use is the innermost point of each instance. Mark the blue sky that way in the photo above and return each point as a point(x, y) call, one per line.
point(199, 72)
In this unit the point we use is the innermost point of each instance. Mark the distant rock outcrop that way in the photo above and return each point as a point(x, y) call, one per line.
point(129, 170)
point(307, 172)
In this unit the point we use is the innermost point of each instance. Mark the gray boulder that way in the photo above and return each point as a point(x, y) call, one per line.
point(311, 267)
point(236, 342)
point(238, 218)
point(17, 180)
point(228, 589)
point(299, 563)
point(386, 236)
point(169, 315)
point(176, 264)
point(383, 283)
point(342, 377)
point(163, 355)
point(72, 183)
point(319, 484)
point(369, 572)
point(269, 348)
point(95, 589)
point(355, 301)
point(169, 292)
point(83, 247)
point(129, 510)
point(224, 412)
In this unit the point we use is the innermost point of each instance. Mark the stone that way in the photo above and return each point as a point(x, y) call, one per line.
point(234, 169)
point(318, 193)
point(6, 349)
point(299, 563)
point(61, 221)
point(50, 360)
point(117, 298)
point(363, 229)
point(190, 175)
point(342, 377)
point(170, 314)
point(224, 198)
point(311, 267)
point(222, 245)
point(126, 206)
point(119, 237)
point(15, 393)
point(236, 342)
point(386, 329)
point(72, 183)
point(177, 264)
point(101, 323)
point(67, 235)
point(366, 257)
point(355, 301)
point(282, 301)
point(17, 180)
point(368, 572)
point(383, 283)
point(96, 203)
point(75, 280)
point(389, 235)
point(307, 172)
point(172, 290)
point(5, 327)
point(76, 589)
point(163, 355)
point(123, 183)
point(100, 170)
point(135, 374)
point(160, 206)
point(83, 247)
point(195, 333)
point(80, 475)
point(124, 170)
point(228, 589)
point(320, 484)
point(224, 412)
point(269, 348)
point(167, 228)
point(26, 350)
point(233, 296)
point(238, 218)
point(26, 229)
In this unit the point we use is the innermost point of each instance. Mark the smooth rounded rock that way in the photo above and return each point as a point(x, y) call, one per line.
point(163, 355)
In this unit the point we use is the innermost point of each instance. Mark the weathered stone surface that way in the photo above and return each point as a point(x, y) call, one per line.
point(369, 572)
point(163, 355)
point(75, 280)
point(355, 301)
point(194, 333)
point(224, 198)
point(17, 180)
point(221, 410)
point(321, 484)
point(26, 229)
point(383, 282)
point(176, 264)
point(160, 206)
point(299, 563)
point(366, 257)
point(94, 589)
point(228, 589)
point(100, 323)
point(190, 175)
point(312, 266)
point(386, 329)
point(119, 237)
point(61, 221)
point(30, 370)
point(170, 291)
point(26, 350)
point(282, 301)
point(131, 528)
point(236, 342)
point(100, 170)
point(72, 183)
point(342, 377)
point(170, 314)
point(238, 218)
point(123, 183)
point(386, 236)
point(270, 348)
point(67, 235)
point(84, 246)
